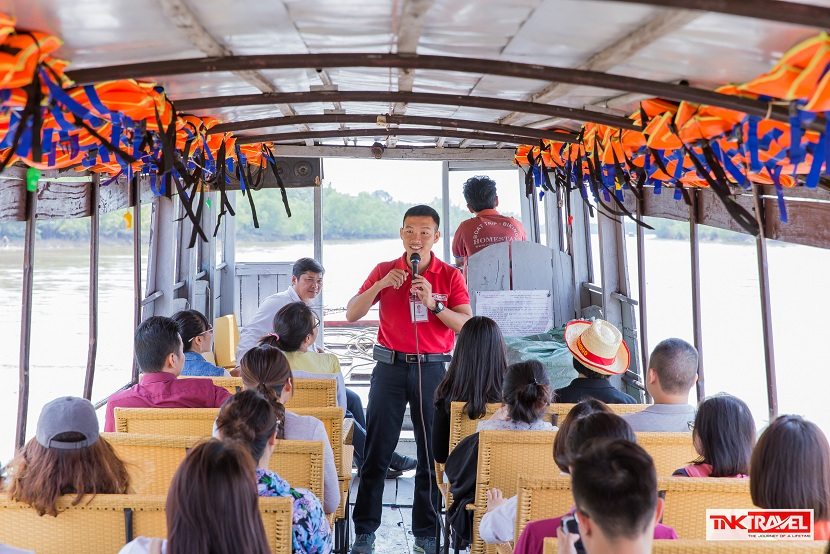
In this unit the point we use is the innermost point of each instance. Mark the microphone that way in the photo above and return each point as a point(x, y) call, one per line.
point(414, 260)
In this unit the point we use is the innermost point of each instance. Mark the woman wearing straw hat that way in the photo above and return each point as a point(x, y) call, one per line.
point(599, 352)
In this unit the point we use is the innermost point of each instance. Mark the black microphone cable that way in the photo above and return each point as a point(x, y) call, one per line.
point(414, 260)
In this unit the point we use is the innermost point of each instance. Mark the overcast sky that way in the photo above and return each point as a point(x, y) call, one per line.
point(413, 181)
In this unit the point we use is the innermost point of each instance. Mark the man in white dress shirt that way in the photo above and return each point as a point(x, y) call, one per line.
point(306, 284)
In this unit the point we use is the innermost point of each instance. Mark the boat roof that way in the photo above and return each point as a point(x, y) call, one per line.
point(631, 39)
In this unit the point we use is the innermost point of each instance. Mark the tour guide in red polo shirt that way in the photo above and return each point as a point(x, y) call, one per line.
point(158, 350)
point(438, 304)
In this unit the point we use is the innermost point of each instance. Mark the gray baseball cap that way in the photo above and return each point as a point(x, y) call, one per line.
point(67, 414)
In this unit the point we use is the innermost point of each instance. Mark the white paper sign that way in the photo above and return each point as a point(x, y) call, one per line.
point(518, 312)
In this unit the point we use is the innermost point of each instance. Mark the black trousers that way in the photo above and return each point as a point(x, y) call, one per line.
point(392, 387)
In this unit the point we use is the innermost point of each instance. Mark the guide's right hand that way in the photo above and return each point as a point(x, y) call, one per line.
point(395, 278)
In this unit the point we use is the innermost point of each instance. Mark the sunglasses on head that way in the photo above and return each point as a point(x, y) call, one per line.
point(208, 330)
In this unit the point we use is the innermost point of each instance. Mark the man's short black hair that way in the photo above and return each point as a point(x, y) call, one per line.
point(422, 210)
point(586, 371)
point(675, 361)
point(156, 338)
point(615, 483)
point(480, 193)
point(304, 265)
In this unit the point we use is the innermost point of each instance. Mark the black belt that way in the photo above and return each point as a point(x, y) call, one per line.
point(383, 354)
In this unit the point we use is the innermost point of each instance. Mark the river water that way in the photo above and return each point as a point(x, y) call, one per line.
point(733, 347)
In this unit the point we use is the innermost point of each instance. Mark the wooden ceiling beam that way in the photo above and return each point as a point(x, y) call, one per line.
point(327, 96)
point(379, 132)
point(180, 14)
point(387, 119)
point(795, 13)
point(481, 66)
point(409, 30)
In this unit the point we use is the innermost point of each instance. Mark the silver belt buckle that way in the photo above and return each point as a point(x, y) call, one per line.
point(412, 358)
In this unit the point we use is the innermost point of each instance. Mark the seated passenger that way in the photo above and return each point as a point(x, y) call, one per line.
point(295, 330)
point(585, 430)
point(790, 469)
point(212, 505)
point(66, 456)
point(197, 337)
point(724, 434)
point(158, 350)
point(671, 374)
point(498, 523)
point(599, 352)
point(253, 420)
point(264, 368)
point(615, 491)
point(306, 285)
point(526, 393)
point(474, 376)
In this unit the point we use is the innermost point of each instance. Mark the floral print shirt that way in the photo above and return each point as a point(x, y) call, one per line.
point(311, 532)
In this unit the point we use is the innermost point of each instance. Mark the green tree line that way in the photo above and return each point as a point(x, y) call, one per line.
point(374, 215)
point(345, 217)
point(366, 215)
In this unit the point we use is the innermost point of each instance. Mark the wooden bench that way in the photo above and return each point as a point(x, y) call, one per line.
point(308, 393)
point(541, 498)
point(687, 498)
point(198, 422)
point(152, 460)
point(502, 456)
point(105, 523)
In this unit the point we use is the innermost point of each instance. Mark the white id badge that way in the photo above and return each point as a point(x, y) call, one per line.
point(418, 311)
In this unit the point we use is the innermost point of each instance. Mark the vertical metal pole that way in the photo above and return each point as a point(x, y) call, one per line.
point(228, 300)
point(766, 309)
point(318, 223)
point(696, 318)
point(445, 211)
point(26, 318)
point(92, 351)
point(318, 255)
point(641, 285)
point(135, 186)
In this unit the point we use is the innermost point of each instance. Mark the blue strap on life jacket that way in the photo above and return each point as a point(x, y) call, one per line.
point(95, 100)
point(49, 146)
point(752, 143)
point(111, 180)
point(775, 172)
point(819, 158)
point(725, 159)
point(680, 156)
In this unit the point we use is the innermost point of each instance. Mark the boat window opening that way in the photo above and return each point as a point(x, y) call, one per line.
point(380, 191)
point(632, 259)
point(799, 309)
point(668, 281)
point(733, 345)
point(11, 291)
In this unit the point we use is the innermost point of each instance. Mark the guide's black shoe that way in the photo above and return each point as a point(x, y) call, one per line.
point(400, 464)
point(364, 544)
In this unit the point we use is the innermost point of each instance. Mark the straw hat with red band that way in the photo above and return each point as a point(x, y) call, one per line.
point(598, 345)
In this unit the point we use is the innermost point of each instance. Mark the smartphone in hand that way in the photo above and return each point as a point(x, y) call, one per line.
point(570, 525)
